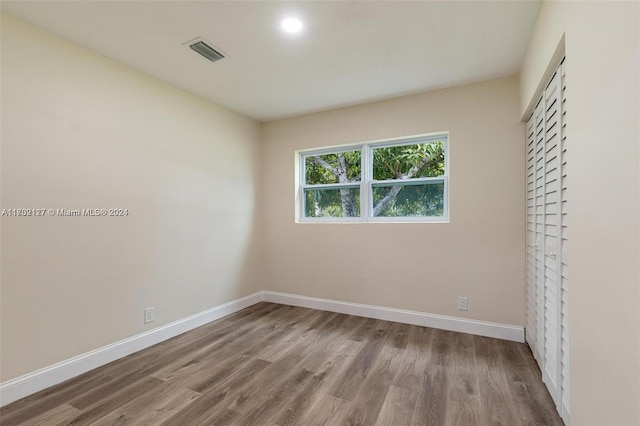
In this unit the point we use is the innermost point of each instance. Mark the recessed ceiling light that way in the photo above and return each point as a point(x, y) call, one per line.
point(291, 25)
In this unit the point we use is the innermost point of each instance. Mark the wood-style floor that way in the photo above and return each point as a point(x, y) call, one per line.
point(281, 365)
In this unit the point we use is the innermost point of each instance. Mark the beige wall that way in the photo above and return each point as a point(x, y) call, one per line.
point(82, 131)
point(421, 267)
point(602, 45)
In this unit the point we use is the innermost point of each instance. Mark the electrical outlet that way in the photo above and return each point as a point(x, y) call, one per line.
point(463, 303)
point(149, 315)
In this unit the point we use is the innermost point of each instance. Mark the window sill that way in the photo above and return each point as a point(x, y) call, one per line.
point(375, 221)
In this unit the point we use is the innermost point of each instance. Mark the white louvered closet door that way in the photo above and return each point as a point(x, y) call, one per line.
point(551, 220)
point(547, 331)
point(564, 259)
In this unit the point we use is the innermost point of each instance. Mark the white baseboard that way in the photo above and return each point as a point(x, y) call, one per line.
point(463, 325)
point(36, 381)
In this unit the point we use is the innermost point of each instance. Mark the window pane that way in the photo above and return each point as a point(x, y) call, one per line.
point(343, 202)
point(341, 167)
point(409, 200)
point(409, 161)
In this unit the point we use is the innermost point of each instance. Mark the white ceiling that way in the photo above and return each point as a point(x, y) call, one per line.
point(350, 51)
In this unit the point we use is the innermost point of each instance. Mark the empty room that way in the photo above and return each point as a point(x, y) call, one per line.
point(320, 213)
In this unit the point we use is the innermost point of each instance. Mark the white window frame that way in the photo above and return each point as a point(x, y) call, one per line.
point(367, 183)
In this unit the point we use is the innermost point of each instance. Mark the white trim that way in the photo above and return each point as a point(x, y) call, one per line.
point(463, 325)
point(335, 149)
point(332, 185)
point(397, 140)
point(36, 381)
point(406, 182)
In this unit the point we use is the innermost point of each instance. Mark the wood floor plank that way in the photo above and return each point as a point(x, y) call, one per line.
point(398, 335)
point(252, 394)
point(114, 401)
point(441, 347)
point(202, 367)
point(335, 353)
point(368, 401)
point(281, 365)
point(464, 403)
point(529, 407)
point(212, 375)
point(292, 410)
point(189, 342)
point(497, 401)
point(415, 359)
point(325, 409)
point(100, 393)
point(58, 416)
point(398, 407)
point(334, 324)
point(212, 403)
point(326, 366)
point(207, 339)
point(151, 408)
point(222, 417)
point(432, 401)
point(320, 321)
point(67, 388)
point(496, 397)
point(525, 384)
point(277, 398)
point(355, 373)
point(289, 360)
point(48, 399)
point(298, 334)
point(350, 325)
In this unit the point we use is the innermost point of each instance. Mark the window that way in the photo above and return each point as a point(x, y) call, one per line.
point(401, 180)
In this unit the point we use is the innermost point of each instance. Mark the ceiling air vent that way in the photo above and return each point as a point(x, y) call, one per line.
point(205, 49)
